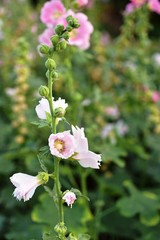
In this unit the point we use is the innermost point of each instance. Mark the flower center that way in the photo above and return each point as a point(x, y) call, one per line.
point(57, 14)
point(59, 145)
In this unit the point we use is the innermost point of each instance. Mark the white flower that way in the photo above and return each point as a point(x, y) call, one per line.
point(85, 157)
point(43, 107)
point(25, 185)
point(69, 198)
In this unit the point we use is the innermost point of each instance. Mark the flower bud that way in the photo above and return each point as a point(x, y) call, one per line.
point(59, 112)
point(70, 20)
point(44, 49)
point(43, 177)
point(69, 28)
point(55, 75)
point(44, 91)
point(54, 39)
point(50, 64)
point(62, 44)
point(59, 29)
point(72, 237)
point(61, 229)
point(75, 23)
point(65, 35)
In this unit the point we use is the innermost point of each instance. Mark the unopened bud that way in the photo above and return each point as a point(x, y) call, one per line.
point(61, 229)
point(72, 237)
point(70, 20)
point(59, 112)
point(50, 64)
point(55, 75)
point(44, 91)
point(59, 29)
point(54, 39)
point(44, 49)
point(65, 35)
point(62, 44)
point(69, 28)
point(75, 23)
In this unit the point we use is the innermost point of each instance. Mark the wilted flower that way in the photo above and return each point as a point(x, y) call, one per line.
point(43, 107)
point(52, 13)
point(85, 157)
point(69, 198)
point(25, 185)
point(80, 37)
point(61, 144)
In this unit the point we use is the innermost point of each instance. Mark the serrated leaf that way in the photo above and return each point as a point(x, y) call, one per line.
point(42, 164)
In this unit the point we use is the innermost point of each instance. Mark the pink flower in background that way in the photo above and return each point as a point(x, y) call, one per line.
point(61, 144)
point(25, 185)
point(130, 7)
point(82, 2)
point(155, 97)
point(121, 128)
point(80, 37)
point(85, 157)
point(44, 38)
point(53, 13)
point(154, 5)
point(69, 198)
point(156, 58)
point(138, 3)
point(112, 111)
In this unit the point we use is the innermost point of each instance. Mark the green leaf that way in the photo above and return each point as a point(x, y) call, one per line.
point(84, 237)
point(145, 204)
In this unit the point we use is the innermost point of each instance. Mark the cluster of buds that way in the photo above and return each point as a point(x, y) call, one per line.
point(59, 40)
point(19, 106)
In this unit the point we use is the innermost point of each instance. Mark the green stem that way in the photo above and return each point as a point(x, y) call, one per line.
point(56, 160)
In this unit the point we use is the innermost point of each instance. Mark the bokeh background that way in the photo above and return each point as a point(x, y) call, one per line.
point(113, 91)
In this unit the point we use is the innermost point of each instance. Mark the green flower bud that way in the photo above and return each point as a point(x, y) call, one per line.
point(59, 29)
point(69, 28)
point(63, 44)
point(55, 39)
point(50, 64)
point(47, 74)
point(70, 20)
point(75, 23)
point(44, 49)
point(55, 75)
point(72, 237)
point(44, 91)
point(59, 112)
point(61, 229)
point(43, 177)
point(65, 35)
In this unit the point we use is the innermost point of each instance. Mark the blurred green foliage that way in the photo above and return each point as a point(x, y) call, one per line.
point(119, 70)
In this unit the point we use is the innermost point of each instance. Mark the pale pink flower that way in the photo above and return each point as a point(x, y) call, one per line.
point(156, 58)
point(85, 157)
point(130, 7)
point(121, 128)
point(44, 38)
point(155, 97)
point(138, 3)
point(107, 130)
point(112, 111)
point(43, 107)
point(69, 198)
point(61, 144)
point(82, 2)
point(25, 185)
point(154, 5)
point(52, 13)
point(80, 37)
